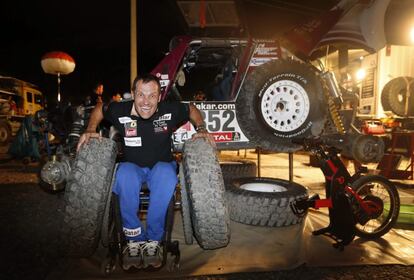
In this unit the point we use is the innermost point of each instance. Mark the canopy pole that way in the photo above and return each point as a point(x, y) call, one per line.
point(58, 86)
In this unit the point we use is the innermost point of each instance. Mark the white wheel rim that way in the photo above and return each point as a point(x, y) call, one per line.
point(231, 162)
point(263, 187)
point(285, 106)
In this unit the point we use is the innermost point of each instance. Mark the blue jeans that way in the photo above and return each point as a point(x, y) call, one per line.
point(161, 181)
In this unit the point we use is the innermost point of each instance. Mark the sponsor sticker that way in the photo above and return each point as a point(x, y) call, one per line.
point(124, 120)
point(161, 129)
point(160, 125)
point(132, 232)
point(133, 141)
point(259, 61)
point(220, 120)
point(165, 117)
point(131, 128)
point(164, 83)
point(222, 136)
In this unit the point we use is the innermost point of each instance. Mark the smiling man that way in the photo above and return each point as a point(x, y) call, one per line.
point(146, 124)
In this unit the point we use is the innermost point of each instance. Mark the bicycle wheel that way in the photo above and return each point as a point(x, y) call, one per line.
point(376, 188)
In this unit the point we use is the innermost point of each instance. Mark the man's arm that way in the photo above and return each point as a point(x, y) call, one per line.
point(195, 116)
point(94, 120)
point(197, 120)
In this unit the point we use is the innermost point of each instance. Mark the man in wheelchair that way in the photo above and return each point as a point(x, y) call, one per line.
point(146, 124)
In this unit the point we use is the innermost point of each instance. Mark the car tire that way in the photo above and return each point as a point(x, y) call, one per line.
point(384, 97)
point(86, 197)
point(5, 134)
point(203, 177)
point(394, 96)
point(264, 201)
point(237, 169)
point(295, 93)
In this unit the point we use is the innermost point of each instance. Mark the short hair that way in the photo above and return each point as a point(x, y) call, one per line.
point(146, 78)
point(97, 84)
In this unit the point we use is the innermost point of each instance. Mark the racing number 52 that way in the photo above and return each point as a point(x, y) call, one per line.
point(217, 120)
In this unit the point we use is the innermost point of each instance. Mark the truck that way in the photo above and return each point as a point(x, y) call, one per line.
point(259, 95)
point(18, 99)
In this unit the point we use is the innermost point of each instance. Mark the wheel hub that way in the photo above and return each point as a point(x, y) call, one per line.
point(375, 206)
point(400, 97)
point(285, 106)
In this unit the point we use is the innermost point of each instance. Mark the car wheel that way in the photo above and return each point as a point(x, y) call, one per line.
point(281, 100)
point(86, 196)
point(203, 177)
point(5, 134)
point(394, 96)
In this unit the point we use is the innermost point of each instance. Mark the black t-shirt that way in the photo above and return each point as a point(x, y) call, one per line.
point(147, 141)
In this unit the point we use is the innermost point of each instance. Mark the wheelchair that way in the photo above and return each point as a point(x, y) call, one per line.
point(91, 224)
point(114, 241)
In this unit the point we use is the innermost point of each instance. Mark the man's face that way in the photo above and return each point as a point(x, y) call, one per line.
point(99, 90)
point(146, 99)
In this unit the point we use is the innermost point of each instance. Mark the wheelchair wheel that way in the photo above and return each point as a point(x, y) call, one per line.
point(185, 209)
point(377, 188)
point(111, 237)
point(108, 265)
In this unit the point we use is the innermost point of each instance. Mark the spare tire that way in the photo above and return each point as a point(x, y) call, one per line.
point(86, 194)
point(394, 96)
point(264, 201)
point(367, 148)
point(203, 177)
point(237, 169)
point(384, 97)
point(279, 101)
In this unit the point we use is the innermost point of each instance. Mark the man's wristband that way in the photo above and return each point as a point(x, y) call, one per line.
point(201, 127)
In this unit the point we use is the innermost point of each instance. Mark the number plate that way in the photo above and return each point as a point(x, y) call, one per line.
point(220, 120)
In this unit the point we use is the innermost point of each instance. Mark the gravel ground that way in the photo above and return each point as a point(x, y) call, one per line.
point(29, 220)
point(319, 273)
point(29, 232)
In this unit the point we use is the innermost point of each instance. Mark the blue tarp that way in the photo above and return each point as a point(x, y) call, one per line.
point(26, 143)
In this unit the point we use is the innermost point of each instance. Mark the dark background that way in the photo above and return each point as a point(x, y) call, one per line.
point(96, 34)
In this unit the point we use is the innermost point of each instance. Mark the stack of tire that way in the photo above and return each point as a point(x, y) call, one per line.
point(259, 201)
point(263, 201)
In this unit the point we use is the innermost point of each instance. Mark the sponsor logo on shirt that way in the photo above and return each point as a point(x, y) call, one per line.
point(131, 128)
point(165, 117)
point(124, 120)
point(133, 141)
point(161, 125)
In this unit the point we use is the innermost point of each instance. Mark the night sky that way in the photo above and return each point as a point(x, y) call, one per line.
point(96, 34)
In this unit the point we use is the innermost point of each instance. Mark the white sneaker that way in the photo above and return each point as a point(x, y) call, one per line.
point(132, 255)
point(152, 254)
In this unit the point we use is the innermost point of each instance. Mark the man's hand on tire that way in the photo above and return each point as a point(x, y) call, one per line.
point(206, 135)
point(85, 137)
